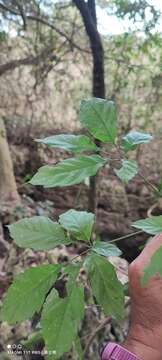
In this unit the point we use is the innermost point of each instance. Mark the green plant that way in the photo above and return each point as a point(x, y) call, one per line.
point(34, 291)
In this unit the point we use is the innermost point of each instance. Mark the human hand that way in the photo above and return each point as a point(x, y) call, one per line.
point(145, 335)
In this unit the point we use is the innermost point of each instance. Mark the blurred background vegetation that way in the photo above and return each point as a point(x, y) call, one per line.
point(53, 55)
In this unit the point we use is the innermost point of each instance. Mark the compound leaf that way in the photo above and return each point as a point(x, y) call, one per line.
point(106, 287)
point(26, 295)
point(74, 143)
point(132, 139)
point(152, 225)
point(128, 170)
point(38, 233)
point(99, 116)
point(78, 223)
point(106, 249)
point(68, 172)
point(61, 318)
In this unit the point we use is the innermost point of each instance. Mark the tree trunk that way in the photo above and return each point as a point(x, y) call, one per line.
point(88, 13)
point(98, 88)
point(8, 189)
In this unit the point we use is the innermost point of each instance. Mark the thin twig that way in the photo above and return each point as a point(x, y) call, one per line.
point(150, 210)
point(45, 22)
point(149, 183)
point(76, 203)
point(126, 236)
point(83, 253)
point(99, 328)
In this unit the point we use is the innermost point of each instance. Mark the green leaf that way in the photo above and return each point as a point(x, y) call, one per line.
point(78, 223)
point(106, 249)
point(72, 270)
point(38, 233)
point(128, 170)
point(68, 172)
point(26, 295)
point(154, 267)
point(132, 139)
point(76, 143)
point(61, 318)
point(78, 348)
point(99, 116)
point(33, 339)
point(106, 287)
point(152, 225)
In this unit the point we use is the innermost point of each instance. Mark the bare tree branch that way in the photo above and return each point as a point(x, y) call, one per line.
point(92, 9)
point(60, 32)
point(95, 44)
point(22, 13)
point(46, 23)
point(30, 60)
point(6, 8)
point(88, 22)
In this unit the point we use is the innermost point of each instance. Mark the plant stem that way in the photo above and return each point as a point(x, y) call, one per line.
point(83, 253)
point(126, 236)
point(100, 327)
point(154, 188)
point(149, 183)
point(93, 335)
point(78, 196)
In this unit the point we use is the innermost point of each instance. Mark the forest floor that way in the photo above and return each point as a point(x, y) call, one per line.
point(118, 207)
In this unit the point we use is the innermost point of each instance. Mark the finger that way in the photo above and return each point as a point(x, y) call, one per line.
point(152, 246)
